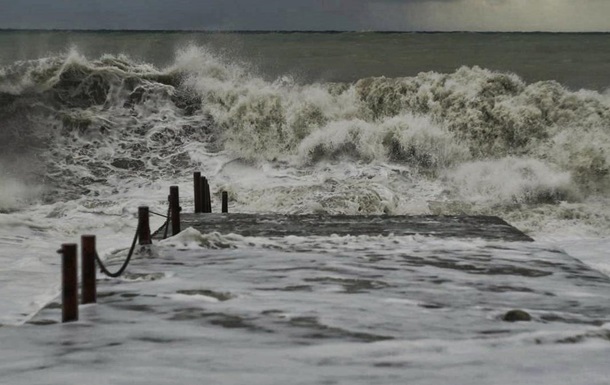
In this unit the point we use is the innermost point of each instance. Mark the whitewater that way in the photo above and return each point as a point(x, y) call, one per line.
point(86, 140)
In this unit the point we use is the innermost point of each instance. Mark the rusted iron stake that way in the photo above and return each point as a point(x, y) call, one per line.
point(87, 254)
point(69, 283)
point(174, 203)
point(225, 202)
point(144, 226)
point(197, 195)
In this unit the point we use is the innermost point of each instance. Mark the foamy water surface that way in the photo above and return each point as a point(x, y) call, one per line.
point(85, 141)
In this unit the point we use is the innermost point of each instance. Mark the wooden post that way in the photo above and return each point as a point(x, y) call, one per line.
point(202, 183)
point(197, 192)
point(225, 202)
point(174, 203)
point(207, 200)
point(69, 283)
point(87, 254)
point(144, 226)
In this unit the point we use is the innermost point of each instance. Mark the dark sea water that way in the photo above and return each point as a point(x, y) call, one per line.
point(577, 60)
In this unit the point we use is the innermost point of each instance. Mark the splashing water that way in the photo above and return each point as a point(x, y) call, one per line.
point(101, 136)
point(474, 136)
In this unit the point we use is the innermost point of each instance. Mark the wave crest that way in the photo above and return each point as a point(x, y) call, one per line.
point(120, 117)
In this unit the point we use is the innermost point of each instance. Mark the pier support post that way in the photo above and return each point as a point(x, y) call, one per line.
point(225, 202)
point(197, 192)
point(88, 291)
point(144, 237)
point(174, 204)
point(69, 283)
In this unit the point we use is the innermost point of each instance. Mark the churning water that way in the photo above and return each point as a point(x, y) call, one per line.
point(93, 125)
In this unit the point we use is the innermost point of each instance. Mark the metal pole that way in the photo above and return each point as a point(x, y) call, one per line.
point(69, 283)
point(225, 202)
point(144, 226)
point(197, 195)
point(174, 202)
point(88, 294)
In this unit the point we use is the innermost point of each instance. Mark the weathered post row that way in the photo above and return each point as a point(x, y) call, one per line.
point(69, 277)
point(203, 196)
point(69, 287)
point(88, 250)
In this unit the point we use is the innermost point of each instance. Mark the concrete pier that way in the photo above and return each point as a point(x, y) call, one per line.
point(278, 225)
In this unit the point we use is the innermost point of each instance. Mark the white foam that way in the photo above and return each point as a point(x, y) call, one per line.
point(510, 181)
point(470, 142)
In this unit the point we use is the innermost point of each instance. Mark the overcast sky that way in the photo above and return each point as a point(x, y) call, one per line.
point(471, 15)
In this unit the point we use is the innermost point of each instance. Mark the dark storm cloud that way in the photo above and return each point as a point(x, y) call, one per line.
point(307, 14)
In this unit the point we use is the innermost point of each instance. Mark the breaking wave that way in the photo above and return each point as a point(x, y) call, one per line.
point(474, 139)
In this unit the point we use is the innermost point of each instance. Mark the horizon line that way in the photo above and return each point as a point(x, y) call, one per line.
point(281, 31)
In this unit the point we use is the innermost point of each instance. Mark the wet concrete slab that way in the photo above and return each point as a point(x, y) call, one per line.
point(278, 225)
point(334, 310)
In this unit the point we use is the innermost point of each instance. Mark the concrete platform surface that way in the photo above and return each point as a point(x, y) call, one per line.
point(278, 225)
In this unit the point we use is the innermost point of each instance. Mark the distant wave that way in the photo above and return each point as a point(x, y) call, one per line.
point(87, 120)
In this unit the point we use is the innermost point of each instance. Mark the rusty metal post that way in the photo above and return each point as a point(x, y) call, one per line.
point(144, 226)
point(69, 283)
point(174, 203)
point(87, 255)
point(197, 195)
point(225, 202)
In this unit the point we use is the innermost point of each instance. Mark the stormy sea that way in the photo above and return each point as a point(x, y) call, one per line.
point(514, 125)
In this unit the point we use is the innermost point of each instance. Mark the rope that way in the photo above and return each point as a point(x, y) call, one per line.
point(122, 269)
point(169, 210)
point(157, 214)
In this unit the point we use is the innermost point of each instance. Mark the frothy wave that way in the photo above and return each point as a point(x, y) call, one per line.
point(474, 136)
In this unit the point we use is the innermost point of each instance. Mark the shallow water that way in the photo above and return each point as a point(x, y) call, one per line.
point(328, 310)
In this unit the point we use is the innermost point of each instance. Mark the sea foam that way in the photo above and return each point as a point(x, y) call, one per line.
point(473, 139)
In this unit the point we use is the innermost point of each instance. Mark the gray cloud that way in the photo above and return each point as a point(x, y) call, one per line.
point(555, 15)
point(499, 15)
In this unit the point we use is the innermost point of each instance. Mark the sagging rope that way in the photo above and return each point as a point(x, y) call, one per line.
point(133, 246)
point(166, 224)
point(167, 218)
point(122, 269)
point(160, 215)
